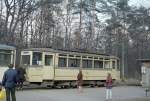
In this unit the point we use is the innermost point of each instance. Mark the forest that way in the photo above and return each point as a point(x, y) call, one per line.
point(112, 27)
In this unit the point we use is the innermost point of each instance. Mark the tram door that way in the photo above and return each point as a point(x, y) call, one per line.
point(34, 65)
point(145, 70)
point(148, 76)
point(48, 68)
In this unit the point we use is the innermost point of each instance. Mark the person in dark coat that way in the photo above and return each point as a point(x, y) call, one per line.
point(21, 77)
point(109, 87)
point(80, 81)
point(9, 82)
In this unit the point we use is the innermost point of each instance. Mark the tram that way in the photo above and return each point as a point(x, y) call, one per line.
point(58, 67)
point(7, 56)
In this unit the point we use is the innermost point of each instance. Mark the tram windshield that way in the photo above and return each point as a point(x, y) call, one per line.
point(5, 57)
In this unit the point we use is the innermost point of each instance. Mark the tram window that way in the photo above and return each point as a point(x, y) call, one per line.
point(74, 63)
point(98, 64)
point(5, 59)
point(26, 59)
point(90, 57)
point(87, 63)
point(113, 64)
point(95, 57)
point(107, 64)
point(78, 56)
point(62, 62)
point(118, 65)
point(71, 55)
point(62, 54)
point(5, 51)
point(84, 56)
point(48, 60)
point(37, 58)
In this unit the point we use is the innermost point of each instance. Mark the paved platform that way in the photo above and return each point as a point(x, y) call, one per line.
point(123, 93)
point(136, 99)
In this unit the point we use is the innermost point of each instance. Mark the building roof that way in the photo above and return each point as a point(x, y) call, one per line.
point(7, 47)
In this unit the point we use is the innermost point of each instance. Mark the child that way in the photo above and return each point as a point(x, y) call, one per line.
point(108, 87)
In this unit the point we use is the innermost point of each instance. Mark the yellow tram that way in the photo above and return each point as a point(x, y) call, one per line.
point(57, 67)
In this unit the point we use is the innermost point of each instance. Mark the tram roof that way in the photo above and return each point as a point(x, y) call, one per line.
point(7, 47)
point(65, 51)
point(143, 60)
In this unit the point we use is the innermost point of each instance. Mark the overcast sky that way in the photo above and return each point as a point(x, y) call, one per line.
point(145, 3)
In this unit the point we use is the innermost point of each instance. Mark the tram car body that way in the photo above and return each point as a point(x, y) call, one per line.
point(145, 72)
point(7, 56)
point(56, 67)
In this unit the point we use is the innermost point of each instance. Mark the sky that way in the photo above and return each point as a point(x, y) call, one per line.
point(145, 3)
point(138, 3)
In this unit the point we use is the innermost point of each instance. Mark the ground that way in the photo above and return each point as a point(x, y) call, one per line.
point(122, 93)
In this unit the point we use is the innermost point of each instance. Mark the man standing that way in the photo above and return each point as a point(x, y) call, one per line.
point(9, 82)
point(80, 81)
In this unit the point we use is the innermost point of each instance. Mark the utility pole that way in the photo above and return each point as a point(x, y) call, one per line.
point(122, 32)
point(122, 59)
point(123, 39)
point(93, 20)
point(80, 26)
